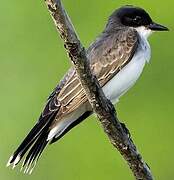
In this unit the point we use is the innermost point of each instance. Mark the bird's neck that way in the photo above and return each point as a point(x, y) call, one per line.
point(143, 32)
point(113, 25)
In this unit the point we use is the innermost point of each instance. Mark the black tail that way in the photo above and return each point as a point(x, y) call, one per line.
point(35, 142)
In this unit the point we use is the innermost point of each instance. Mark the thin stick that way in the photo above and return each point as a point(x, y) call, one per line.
point(117, 132)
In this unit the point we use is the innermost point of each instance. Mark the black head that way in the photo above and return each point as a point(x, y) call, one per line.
point(135, 17)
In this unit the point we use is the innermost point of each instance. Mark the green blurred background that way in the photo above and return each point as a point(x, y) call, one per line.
point(33, 60)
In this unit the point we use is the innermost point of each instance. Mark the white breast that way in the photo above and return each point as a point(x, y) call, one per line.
point(127, 77)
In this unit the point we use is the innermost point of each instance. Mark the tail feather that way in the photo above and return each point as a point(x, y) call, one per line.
point(34, 153)
point(36, 140)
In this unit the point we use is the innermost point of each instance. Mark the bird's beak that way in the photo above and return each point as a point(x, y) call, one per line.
point(157, 27)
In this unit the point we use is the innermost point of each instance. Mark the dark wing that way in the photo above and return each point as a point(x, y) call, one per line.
point(110, 54)
point(107, 55)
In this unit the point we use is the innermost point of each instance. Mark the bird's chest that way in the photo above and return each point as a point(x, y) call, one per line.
point(127, 77)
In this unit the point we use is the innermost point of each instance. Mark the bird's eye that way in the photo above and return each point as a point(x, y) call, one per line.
point(137, 19)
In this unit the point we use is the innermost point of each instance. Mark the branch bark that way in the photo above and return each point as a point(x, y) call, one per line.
point(117, 132)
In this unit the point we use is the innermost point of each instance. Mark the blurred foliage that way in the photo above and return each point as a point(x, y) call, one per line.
point(33, 60)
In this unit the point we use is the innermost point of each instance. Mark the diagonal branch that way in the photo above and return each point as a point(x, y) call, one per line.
point(117, 132)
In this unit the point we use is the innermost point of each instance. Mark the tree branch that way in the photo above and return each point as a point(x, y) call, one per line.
point(117, 132)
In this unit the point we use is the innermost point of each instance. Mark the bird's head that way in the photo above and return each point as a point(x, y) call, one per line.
point(137, 18)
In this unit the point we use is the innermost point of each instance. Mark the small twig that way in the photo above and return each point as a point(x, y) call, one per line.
point(117, 132)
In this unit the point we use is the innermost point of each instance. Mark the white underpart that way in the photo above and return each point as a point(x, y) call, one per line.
point(119, 84)
point(64, 123)
point(58, 129)
point(127, 77)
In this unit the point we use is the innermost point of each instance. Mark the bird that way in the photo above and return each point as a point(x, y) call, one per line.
point(117, 58)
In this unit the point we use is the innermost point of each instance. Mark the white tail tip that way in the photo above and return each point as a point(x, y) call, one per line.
point(8, 163)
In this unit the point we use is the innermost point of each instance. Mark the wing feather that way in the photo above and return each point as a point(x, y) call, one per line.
point(107, 57)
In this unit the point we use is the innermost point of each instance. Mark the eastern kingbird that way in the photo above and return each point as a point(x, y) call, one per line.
point(117, 58)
